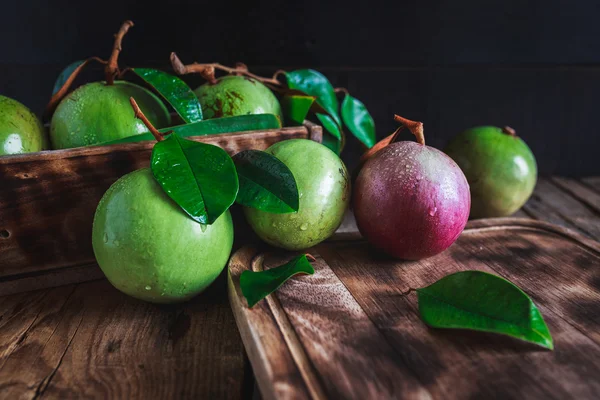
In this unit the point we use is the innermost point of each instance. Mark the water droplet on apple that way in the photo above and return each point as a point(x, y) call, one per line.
point(105, 237)
point(304, 226)
point(148, 287)
point(116, 243)
point(432, 211)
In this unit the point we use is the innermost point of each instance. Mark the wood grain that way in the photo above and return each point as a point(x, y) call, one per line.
point(552, 204)
point(90, 341)
point(360, 302)
point(48, 199)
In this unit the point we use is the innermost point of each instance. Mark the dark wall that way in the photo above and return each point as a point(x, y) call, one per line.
point(532, 65)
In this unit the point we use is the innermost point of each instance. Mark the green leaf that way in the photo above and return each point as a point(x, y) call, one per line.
point(296, 107)
point(175, 91)
point(358, 120)
point(213, 126)
point(65, 74)
point(199, 177)
point(484, 302)
point(314, 83)
point(332, 143)
point(330, 125)
point(265, 183)
point(258, 285)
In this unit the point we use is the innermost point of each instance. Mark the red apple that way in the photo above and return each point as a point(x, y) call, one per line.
point(410, 200)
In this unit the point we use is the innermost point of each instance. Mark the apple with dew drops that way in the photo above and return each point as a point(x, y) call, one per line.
point(410, 200)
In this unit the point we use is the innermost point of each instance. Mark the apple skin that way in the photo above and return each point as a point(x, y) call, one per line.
point(20, 130)
point(500, 168)
point(97, 113)
point(324, 190)
point(150, 249)
point(237, 95)
point(411, 201)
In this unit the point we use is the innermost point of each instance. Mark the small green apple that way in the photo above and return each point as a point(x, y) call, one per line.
point(237, 95)
point(20, 130)
point(324, 191)
point(499, 166)
point(97, 113)
point(150, 249)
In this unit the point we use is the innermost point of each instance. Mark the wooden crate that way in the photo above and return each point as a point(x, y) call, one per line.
point(48, 200)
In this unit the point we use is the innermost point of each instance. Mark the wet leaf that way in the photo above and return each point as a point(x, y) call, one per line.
point(175, 91)
point(199, 177)
point(296, 107)
point(484, 302)
point(314, 83)
point(258, 285)
point(358, 120)
point(213, 126)
point(265, 183)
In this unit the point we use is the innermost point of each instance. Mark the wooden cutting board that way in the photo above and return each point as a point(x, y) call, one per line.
point(352, 330)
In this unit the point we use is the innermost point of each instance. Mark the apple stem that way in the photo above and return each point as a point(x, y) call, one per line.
point(509, 131)
point(64, 89)
point(112, 68)
point(339, 90)
point(208, 71)
point(140, 115)
point(415, 127)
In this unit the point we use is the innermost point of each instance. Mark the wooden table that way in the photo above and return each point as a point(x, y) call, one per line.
point(89, 340)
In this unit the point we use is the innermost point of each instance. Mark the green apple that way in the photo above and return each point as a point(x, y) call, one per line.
point(97, 113)
point(150, 249)
point(237, 95)
point(324, 190)
point(499, 166)
point(20, 130)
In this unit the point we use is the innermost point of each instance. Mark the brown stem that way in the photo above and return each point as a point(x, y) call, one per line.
point(208, 71)
point(62, 92)
point(112, 68)
point(339, 90)
point(310, 257)
point(509, 131)
point(140, 115)
point(415, 127)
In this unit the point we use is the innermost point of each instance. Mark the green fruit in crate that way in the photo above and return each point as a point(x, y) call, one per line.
point(97, 112)
point(150, 249)
point(499, 166)
point(237, 95)
point(324, 191)
point(20, 130)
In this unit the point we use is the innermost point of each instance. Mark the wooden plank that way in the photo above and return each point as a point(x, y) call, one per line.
point(581, 192)
point(309, 313)
point(552, 204)
point(48, 199)
point(558, 268)
point(593, 182)
point(90, 340)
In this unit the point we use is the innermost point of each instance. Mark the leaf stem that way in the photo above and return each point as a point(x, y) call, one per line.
point(112, 68)
point(208, 71)
point(140, 115)
point(415, 127)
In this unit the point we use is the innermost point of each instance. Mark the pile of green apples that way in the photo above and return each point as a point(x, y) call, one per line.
point(151, 247)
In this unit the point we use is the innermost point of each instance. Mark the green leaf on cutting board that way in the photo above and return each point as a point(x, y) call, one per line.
point(175, 91)
point(265, 183)
point(358, 120)
point(199, 177)
point(212, 126)
point(256, 286)
point(484, 302)
point(296, 107)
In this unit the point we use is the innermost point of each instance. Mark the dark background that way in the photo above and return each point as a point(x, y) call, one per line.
point(532, 65)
